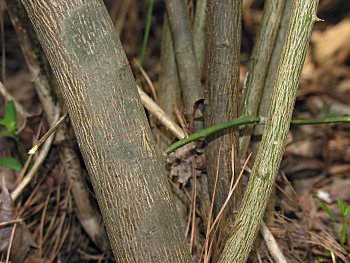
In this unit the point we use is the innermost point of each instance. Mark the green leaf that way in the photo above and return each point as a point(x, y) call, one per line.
point(11, 163)
point(343, 232)
point(347, 211)
point(5, 123)
point(11, 116)
point(341, 206)
point(326, 208)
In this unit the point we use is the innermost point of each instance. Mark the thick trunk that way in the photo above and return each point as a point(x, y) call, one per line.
point(126, 170)
point(88, 216)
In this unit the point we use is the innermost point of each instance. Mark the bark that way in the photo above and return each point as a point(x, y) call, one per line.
point(88, 216)
point(221, 104)
point(273, 143)
point(260, 60)
point(199, 25)
point(169, 93)
point(185, 55)
point(267, 95)
point(126, 170)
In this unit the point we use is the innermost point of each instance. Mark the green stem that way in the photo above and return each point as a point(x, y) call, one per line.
point(244, 121)
point(147, 30)
point(213, 129)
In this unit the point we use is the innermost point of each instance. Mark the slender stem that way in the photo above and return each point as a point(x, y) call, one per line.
point(199, 33)
point(244, 121)
point(213, 129)
point(321, 121)
point(47, 135)
point(147, 30)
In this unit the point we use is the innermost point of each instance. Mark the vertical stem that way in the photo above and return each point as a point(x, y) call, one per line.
point(147, 30)
point(223, 49)
point(199, 33)
point(259, 65)
point(184, 53)
point(273, 143)
point(267, 96)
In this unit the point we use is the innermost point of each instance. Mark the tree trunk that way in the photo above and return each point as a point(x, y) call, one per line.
point(263, 176)
point(126, 170)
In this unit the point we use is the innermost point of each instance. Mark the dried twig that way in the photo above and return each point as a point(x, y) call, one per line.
point(47, 134)
point(272, 245)
point(11, 242)
point(41, 158)
point(160, 114)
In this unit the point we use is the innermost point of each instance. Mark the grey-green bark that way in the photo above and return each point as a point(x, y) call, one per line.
point(125, 167)
point(221, 103)
point(184, 53)
point(273, 143)
point(272, 71)
point(260, 60)
point(267, 96)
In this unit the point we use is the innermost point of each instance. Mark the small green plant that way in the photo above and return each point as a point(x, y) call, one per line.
point(9, 122)
point(345, 224)
point(345, 211)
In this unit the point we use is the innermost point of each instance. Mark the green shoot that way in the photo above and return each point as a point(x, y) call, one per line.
point(147, 30)
point(9, 121)
point(344, 210)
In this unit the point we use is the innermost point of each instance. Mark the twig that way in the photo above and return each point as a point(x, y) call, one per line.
point(272, 244)
point(243, 121)
point(11, 242)
point(13, 221)
point(160, 114)
point(194, 200)
point(41, 158)
point(230, 194)
point(46, 135)
point(148, 80)
point(205, 248)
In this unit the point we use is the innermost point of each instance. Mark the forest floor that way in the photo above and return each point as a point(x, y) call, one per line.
point(310, 222)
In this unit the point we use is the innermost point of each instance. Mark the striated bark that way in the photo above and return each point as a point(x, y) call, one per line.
point(88, 216)
point(185, 55)
point(260, 60)
point(221, 104)
point(124, 165)
point(267, 95)
point(273, 143)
